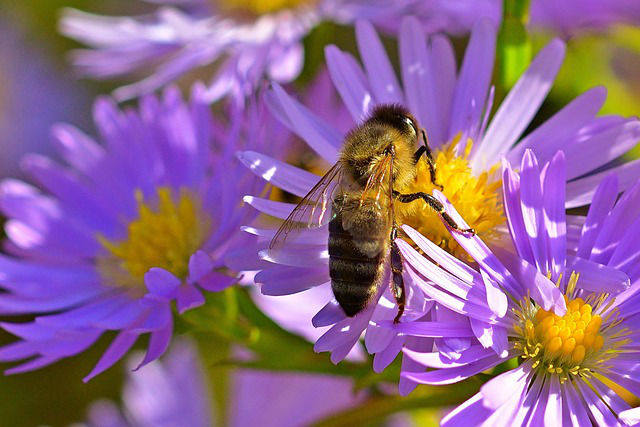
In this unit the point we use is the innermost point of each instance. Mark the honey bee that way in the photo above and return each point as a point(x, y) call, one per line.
point(378, 157)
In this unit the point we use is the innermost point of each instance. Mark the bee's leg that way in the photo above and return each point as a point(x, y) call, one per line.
point(435, 205)
point(426, 150)
point(397, 282)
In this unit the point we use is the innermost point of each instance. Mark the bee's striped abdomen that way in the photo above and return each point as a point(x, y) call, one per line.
point(355, 273)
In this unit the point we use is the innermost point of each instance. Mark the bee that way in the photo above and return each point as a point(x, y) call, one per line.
point(378, 157)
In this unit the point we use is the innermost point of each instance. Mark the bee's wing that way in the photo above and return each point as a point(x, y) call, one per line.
point(312, 211)
point(375, 187)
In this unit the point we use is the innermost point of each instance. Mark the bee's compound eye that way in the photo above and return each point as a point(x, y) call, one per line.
point(411, 123)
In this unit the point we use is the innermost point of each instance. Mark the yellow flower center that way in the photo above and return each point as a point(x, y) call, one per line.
point(573, 344)
point(568, 339)
point(165, 234)
point(478, 199)
point(259, 7)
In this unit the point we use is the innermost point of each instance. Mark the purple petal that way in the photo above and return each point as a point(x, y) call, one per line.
point(496, 299)
point(589, 155)
point(297, 255)
point(406, 386)
point(384, 358)
point(626, 211)
point(433, 272)
point(555, 214)
point(473, 83)
point(284, 280)
point(380, 73)
point(551, 136)
point(161, 282)
point(431, 329)
point(441, 257)
point(532, 209)
point(598, 278)
point(603, 201)
point(501, 388)
point(270, 207)
point(120, 345)
point(513, 211)
point(451, 302)
point(321, 137)
point(345, 332)
point(289, 178)
point(417, 76)
point(216, 282)
point(580, 192)
point(328, 315)
point(521, 104)
point(350, 82)
point(626, 255)
point(601, 414)
point(188, 297)
point(200, 264)
point(443, 62)
point(577, 413)
point(158, 344)
point(470, 412)
point(377, 338)
point(630, 416)
point(490, 336)
point(610, 397)
point(479, 250)
point(31, 365)
point(438, 361)
point(454, 375)
point(541, 289)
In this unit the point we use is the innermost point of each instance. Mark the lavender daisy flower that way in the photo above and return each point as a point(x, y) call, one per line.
point(171, 392)
point(570, 17)
point(246, 40)
point(128, 227)
point(454, 109)
point(570, 353)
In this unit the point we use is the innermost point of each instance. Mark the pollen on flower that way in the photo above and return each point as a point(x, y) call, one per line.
point(260, 7)
point(478, 199)
point(167, 231)
point(572, 344)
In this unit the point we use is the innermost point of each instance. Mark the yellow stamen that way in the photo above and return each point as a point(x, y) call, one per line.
point(572, 344)
point(165, 234)
point(478, 199)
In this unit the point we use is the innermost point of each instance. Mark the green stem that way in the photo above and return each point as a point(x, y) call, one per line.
point(514, 45)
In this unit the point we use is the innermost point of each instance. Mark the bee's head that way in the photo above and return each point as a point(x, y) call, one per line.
point(398, 117)
point(367, 144)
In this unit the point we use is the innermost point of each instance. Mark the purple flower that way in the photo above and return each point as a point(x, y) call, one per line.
point(246, 40)
point(171, 392)
point(571, 349)
point(128, 227)
point(454, 109)
point(572, 16)
point(34, 94)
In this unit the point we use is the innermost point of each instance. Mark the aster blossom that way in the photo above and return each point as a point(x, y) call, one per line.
point(247, 40)
point(454, 109)
point(569, 355)
point(172, 392)
point(129, 227)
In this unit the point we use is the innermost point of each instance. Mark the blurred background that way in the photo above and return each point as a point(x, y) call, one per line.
point(38, 88)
